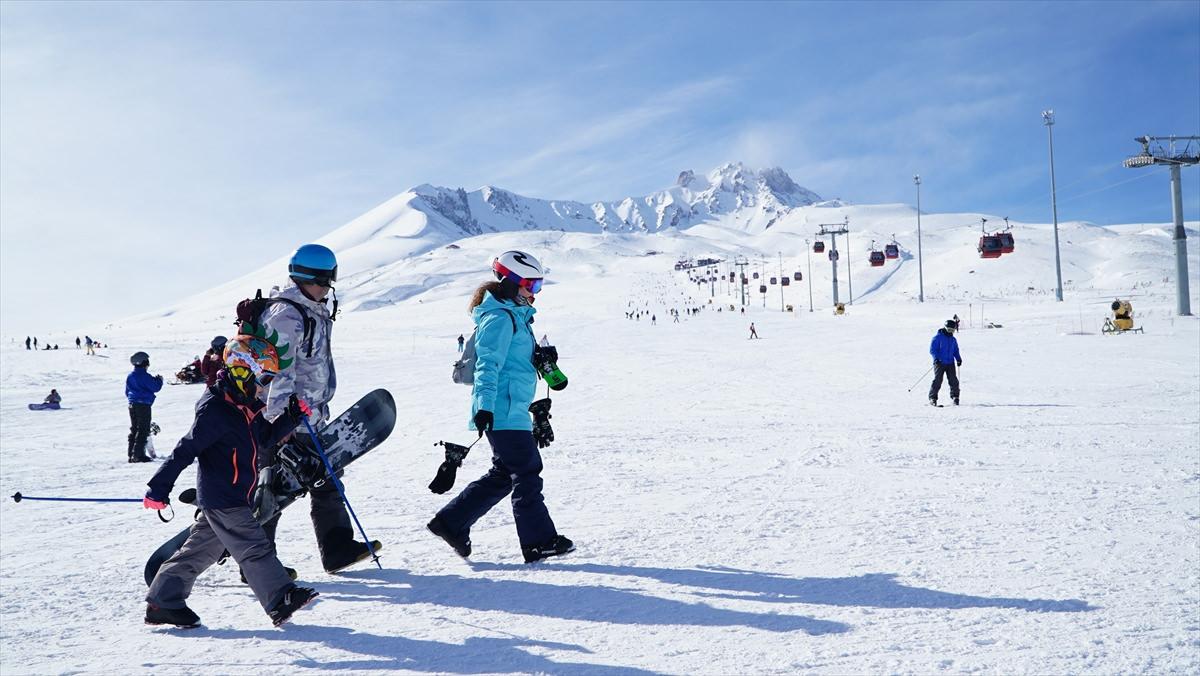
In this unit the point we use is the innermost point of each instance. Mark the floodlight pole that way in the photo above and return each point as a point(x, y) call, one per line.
point(920, 269)
point(1175, 160)
point(1048, 118)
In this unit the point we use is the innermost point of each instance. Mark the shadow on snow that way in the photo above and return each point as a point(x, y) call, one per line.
point(874, 590)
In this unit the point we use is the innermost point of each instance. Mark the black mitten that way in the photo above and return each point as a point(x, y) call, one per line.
point(543, 434)
point(448, 471)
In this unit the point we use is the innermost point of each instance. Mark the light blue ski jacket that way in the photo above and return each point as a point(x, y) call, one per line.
point(505, 380)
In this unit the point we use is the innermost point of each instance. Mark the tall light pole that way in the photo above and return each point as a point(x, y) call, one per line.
point(920, 269)
point(1048, 118)
point(1174, 159)
point(808, 252)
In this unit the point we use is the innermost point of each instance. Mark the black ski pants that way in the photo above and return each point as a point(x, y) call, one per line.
point(940, 369)
point(516, 468)
point(139, 430)
point(330, 519)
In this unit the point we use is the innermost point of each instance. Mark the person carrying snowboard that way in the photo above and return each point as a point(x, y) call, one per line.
point(504, 387)
point(944, 350)
point(213, 360)
point(301, 316)
point(140, 388)
point(226, 435)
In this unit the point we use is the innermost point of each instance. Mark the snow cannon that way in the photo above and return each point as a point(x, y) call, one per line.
point(1122, 319)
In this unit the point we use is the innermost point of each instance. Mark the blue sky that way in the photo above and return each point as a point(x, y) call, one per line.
point(146, 148)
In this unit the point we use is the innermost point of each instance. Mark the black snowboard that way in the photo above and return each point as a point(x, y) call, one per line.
point(346, 438)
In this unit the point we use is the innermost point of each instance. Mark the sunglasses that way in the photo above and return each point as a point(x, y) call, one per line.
point(532, 285)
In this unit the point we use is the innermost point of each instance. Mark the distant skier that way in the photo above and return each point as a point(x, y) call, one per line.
point(228, 417)
point(91, 345)
point(76, 342)
point(461, 341)
point(52, 400)
point(753, 332)
point(213, 361)
point(140, 388)
point(504, 387)
point(35, 343)
point(944, 350)
point(27, 342)
point(653, 320)
point(957, 323)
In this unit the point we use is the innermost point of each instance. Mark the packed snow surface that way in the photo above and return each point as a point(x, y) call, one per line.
point(783, 505)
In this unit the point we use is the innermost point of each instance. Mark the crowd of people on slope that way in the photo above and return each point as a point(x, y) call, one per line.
point(31, 343)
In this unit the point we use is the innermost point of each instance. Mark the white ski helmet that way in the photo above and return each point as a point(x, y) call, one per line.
point(520, 268)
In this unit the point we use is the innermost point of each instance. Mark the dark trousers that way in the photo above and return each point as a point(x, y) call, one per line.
point(139, 430)
point(331, 524)
point(940, 369)
point(516, 468)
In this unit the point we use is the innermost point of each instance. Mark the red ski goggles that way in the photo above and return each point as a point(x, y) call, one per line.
point(532, 285)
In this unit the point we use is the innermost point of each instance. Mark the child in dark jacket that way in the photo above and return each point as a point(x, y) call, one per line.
point(226, 436)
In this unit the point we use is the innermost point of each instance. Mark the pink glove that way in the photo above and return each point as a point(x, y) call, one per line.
point(150, 503)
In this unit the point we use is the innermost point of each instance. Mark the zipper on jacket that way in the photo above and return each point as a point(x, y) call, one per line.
point(235, 468)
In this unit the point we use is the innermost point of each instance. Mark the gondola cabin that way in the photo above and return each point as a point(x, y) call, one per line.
point(1007, 243)
point(784, 281)
point(756, 275)
point(834, 255)
point(818, 247)
point(774, 281)
point(762, 288)
point(990, 246)
point(877, 259)
point(892, 251)
point(798, 277)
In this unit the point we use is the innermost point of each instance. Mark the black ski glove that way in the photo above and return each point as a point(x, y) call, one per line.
point(483, 421)
point(448, 471)
point(960, 362)
point(543, 434)
point(297, 408)
point(266, 504)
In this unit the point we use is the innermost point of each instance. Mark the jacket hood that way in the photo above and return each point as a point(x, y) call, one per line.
point(491, 303)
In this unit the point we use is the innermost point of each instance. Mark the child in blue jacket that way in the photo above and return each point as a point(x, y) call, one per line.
point(944, 350)
point(140, 388)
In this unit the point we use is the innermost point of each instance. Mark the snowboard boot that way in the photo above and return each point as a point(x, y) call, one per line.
point(956, 401)
point(293, 599)
point(461, 545)
point(933, 401)
point(180, 617)
point(556, 546)
point(291, 572)
point(347, 555)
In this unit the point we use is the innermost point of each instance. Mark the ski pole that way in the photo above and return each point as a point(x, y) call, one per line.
point(17, 497)
point(920, 379)
point(341, 489)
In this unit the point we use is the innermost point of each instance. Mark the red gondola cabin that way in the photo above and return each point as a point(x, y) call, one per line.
point(877, 259)
point(892, 250)
point(990, 246)
point(1007, 243)
point(818, 247)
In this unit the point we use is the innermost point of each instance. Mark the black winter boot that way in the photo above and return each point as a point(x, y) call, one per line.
point(180, 617)
point(461, 545)
point(556, 546)
point(349, 554)
point(293, 599)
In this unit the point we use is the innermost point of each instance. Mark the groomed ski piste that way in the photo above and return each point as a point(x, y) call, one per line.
point(783, 505)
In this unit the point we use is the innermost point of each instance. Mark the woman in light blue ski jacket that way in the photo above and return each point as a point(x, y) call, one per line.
point(505, 381)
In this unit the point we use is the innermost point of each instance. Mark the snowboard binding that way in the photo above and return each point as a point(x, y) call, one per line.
point(545, 360)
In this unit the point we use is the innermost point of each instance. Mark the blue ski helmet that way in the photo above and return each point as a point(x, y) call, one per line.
point(314, 264)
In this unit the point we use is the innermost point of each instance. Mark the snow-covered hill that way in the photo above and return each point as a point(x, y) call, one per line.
point(430, 241)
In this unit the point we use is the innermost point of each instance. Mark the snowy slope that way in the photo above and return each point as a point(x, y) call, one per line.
point(773, 506)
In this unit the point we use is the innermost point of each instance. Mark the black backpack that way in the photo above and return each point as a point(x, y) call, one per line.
point(249, 312)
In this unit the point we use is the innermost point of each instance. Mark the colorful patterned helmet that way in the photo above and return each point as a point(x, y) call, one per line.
point(251, 358)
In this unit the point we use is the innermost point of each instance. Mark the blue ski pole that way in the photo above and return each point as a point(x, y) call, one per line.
point(341, 489)
point(17, 497)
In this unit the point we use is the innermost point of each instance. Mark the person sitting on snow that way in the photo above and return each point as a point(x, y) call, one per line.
point(53, 399)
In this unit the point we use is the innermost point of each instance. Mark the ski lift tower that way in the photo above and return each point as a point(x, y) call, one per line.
point(1170, 156)
point(833, 230)
point(740, 263)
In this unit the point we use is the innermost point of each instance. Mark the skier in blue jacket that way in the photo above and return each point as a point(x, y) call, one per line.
point(504, 387)
point(140, 388)
point(944, 350)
